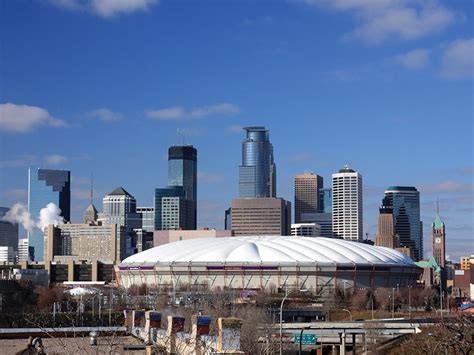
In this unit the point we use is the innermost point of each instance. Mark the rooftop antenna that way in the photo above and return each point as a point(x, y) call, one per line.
point(437, 205)
point(92, 189)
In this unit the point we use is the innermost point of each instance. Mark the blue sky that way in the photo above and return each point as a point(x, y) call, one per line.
point(102, 86)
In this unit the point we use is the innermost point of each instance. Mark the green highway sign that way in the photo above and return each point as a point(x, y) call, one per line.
point(307, 339)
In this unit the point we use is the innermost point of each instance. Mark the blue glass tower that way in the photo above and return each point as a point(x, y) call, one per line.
point(257, 174)
point(160, 194)
point(325, 200)
point(405, 201)
point(47, 186)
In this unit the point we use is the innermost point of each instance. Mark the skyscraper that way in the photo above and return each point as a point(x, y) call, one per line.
point(8, 231)
point(120, 207)
point(438, 230)
point(307, 187)
point(47, 186)
point(347, 204)
point(405, 201)
point(261, 216)
point(176, 204)
point(386, 236)
point(325, 201)
point(257, 174)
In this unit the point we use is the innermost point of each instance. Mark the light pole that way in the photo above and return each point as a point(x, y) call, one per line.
point(281, 316)
point(393, 302)
point(409, 300)
point(301, 340)
point(350, 314)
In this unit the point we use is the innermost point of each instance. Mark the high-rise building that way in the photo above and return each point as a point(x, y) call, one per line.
point(165, 210)
point(405, 202)
point(90, 214)
point(148, 218)
point(176, 204)
point(261, 216)
point(120, 207)
point(307, 187)
point(347, 204)
point(47, 186)
point(182, 171)
point(386, 236)
point(438, 230)
point(8, 231)
point(306, 230)
point(7, 254)
point(325, 201)
point(257, 174)
point(24, 253)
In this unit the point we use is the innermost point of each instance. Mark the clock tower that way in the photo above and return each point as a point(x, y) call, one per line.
point(439, 240)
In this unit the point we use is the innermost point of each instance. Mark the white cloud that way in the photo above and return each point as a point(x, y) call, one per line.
point(23, 118)
point(21, 161)
point(55, 159)
point(415, 59)
point(235, 129)
point(178, 113)
point(447, 186)
point(209, 178)
point(104, 114)
point(105, 8)
point(381, 19)
point(458, 59)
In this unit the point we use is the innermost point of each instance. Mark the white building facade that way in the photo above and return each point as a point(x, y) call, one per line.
point(306, 230)
point(347, 222)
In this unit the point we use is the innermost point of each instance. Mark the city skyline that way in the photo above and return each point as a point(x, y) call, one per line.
point(304, 72)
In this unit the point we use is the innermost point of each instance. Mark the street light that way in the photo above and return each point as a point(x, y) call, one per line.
point(301, 339)
point(281, 315)
point(409, 300)
point(393, 302)
point(350, 314)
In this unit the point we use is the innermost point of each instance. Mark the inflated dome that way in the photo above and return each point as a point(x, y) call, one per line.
point(282, 250)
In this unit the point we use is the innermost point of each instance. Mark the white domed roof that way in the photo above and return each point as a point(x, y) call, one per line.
point(268, 250)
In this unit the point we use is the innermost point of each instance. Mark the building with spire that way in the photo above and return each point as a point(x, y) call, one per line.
point(438, 235)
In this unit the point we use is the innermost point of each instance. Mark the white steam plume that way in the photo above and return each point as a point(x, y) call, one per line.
point(19, 214)
point(51, 214)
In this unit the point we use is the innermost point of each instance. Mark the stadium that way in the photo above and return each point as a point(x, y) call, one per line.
point(318, 264)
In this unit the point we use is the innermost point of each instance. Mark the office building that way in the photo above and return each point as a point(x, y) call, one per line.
point(324, 220)
point(325, 201)
point(405, 202)
point(347, 205)
point(120, 207)
point(172, 209)
point(257, 174)
point(47, 186)
point(148, 218)
point(8, 231)
point(261, 216)
point(307, 187)
point(24, 252)
point(306, 230)
point(76, 242)
point(176, 205)
point(7, 254)
point(182, 171)
point(466, 262)
point(386, 236)
point(438, 235)
point(170, 236)
point(228, 219)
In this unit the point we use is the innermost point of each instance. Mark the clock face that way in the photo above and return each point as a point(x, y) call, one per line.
point(438, 240)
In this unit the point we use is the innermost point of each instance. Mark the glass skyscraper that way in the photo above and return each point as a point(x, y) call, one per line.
point(47, 186)
point(257, 174)
point(405, 201)
point(325, 200)
point(182, 169)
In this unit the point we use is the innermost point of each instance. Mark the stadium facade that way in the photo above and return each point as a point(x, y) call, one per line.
point(317, 264)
